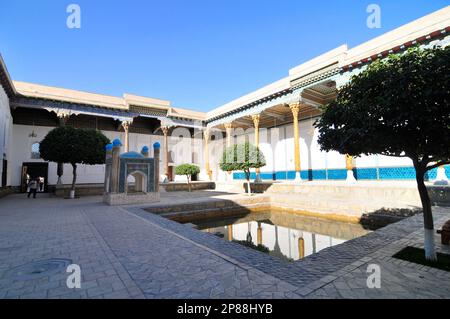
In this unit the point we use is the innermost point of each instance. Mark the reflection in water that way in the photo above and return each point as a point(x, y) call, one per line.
point(287, 236)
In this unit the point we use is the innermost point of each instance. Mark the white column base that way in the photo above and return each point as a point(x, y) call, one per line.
point(204, 176)
point(164, 178)
point(350, 177)
point(430, 251)
point(441, 178)
point(59, 182)
point(72, 194)
point(249, 188)
point(222, 176)
point(298, 177)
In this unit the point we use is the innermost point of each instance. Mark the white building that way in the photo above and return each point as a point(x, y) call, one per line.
point(29, 111)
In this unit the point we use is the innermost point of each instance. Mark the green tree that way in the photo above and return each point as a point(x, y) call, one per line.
point(74, 146)
point(188, 170)
point(398, 106)
point(242, 157)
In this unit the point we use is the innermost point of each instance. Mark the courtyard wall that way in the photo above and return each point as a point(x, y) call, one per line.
point(5, 135)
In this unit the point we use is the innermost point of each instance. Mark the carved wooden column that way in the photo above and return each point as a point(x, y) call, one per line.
point(295, 108)
point(206, 138)
point(126, 128)
point(256, 119)
point(229, 132)
point(165, 130)
point(349, 165)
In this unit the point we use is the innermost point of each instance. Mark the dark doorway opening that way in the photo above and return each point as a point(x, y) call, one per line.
point(170, 173)
point(4, 173)
point(37, 171)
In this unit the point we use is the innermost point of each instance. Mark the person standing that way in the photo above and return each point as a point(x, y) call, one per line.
point(33, 187)
point(41, 184)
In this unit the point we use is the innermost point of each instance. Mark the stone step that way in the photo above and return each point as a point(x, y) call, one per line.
point(230, 187)
point(209, 205)
point(220, 212)
point(342, 192)
point(354, 208)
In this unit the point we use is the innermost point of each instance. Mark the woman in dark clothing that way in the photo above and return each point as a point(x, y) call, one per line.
point(33, 187)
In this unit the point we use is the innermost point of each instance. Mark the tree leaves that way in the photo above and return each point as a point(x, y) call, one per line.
point(187, 169)
point(398, 106)
point(75, 146)
point(242, 157)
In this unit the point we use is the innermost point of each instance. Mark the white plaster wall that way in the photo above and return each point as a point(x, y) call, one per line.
point(289, 162)
point(5, 132)
point(21, 152)
point(277, 144)
point(216, 149)
point(386, 161)
point(183, 153)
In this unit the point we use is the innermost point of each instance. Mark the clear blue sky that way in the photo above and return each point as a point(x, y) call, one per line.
point(199, 54)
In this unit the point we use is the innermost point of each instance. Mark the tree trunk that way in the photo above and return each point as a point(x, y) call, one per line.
point(247, 176)
point(189, 182)
point(74, 180)
point(60, 172)
point(430, 252)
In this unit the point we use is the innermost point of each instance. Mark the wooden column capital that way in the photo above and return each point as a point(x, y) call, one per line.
point(256, 118)
point(126, 125)
point(207, 134)
point(295, 109)
point(165, 130)
point(349, 162)
point(63, 118)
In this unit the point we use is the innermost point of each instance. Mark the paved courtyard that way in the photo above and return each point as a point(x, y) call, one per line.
point(125, 252)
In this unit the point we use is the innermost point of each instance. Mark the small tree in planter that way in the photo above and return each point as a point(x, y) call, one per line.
point(242, 157)
point(74, 146)
point(398, 106)
point(188, 170)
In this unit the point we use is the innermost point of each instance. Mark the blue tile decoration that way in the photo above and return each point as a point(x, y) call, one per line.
point(367, 173)
point(337, 174)
point(143, 165)
point(401, 173)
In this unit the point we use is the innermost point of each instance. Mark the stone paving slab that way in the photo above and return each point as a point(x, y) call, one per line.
point(130, 253)
point(121, 256)
point(399, 279)
point(46, 228)
point(303, 272)
point(166, 265)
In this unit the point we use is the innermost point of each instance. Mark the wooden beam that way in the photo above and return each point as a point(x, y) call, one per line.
point(243, 122)
point(278, 116)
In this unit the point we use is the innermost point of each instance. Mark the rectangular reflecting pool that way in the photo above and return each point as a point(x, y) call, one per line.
point(288, 236)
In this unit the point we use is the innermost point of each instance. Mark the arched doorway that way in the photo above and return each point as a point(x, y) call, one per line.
point(136, 183)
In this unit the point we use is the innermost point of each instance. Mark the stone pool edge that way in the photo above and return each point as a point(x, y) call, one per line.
point(306, 274)
point(218, 207)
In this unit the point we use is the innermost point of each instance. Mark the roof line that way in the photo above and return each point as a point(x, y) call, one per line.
point(5, 79)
